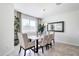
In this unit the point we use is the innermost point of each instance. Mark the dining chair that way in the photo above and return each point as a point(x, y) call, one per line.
point(25, 37)
point(50, 38)
point(43, 42)
point(24, 43)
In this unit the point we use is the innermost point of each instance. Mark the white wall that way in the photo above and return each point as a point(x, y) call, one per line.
point(71, 34)
point(6, 28)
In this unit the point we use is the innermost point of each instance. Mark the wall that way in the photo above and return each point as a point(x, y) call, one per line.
point(71, 34)
point(6, 28)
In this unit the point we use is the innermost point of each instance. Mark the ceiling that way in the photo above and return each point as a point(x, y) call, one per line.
point(43, 10)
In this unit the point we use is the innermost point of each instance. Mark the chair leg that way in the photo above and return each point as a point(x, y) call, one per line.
point(42, 50)
point(20, 50)
point(46, 47)
point(24, 52)
point(53, 41)
point(34, 49)
point(30, 53)
point(51, 45)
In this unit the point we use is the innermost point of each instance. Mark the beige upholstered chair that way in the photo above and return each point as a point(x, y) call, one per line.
point(25, 37)
point(24, 43)
point(43, 42)
point(50, 38)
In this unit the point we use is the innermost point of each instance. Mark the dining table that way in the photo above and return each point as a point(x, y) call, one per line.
point(35, 40)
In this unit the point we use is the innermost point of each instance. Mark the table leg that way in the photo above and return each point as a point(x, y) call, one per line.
point(36, 48)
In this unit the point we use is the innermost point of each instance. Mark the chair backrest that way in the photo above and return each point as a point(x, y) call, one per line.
point(44, 40)
point(50, 37)
point(25, 36)
point(23, 42)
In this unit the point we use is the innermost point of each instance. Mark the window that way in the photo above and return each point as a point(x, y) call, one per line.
point(32, 23)
point(25, 22)
point(29, 25)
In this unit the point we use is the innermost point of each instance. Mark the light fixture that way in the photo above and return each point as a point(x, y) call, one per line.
point(44, 9)
point(58, 3)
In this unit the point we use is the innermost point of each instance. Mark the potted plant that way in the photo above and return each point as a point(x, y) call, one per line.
point(16, 30)
point(41, 28)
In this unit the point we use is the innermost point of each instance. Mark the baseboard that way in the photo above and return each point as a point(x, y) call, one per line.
point(6, 54)
point(68, 43)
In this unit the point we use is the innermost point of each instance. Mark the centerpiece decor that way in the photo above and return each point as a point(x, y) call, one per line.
point(41, 28)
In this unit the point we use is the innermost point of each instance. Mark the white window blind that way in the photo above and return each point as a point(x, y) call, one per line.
point(29, 24)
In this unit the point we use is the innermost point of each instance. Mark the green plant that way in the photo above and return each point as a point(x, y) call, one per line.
point(16, 30)
point(17, 24)
point(41, 28)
